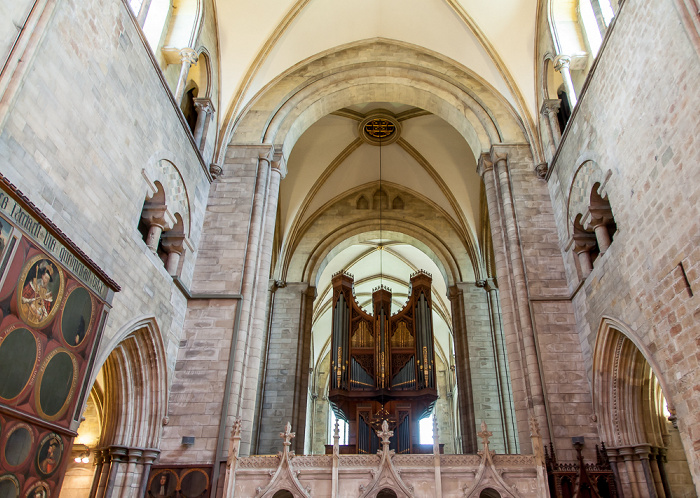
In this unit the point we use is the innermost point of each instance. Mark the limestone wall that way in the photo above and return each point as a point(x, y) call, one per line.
point(90, 115)
point(638, 120)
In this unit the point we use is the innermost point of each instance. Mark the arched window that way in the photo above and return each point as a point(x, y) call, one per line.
point(595, 17)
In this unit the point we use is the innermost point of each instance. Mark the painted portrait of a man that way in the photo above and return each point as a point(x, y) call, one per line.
point(42, 289)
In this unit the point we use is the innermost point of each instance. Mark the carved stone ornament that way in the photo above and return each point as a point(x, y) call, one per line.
point(487, 476)
point(541, 170)
point(215, 170)
point(285, 477)
point(386, 476)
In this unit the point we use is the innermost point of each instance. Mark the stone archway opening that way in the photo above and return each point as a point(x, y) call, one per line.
point(119, 436)
point(635, 419)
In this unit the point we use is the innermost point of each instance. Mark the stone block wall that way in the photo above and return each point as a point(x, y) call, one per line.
point(90, 114)
point(638, 120)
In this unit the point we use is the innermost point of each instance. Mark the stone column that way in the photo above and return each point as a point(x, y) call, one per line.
point(147, 459)
point(173, 244)
point(517, 320)
point(286, 376)
point(502, 371)
point(104, 476)
point(466, 403)
point(550, 108)
point(117, 457)
point(154, 216)
point(99, 462)
point(614, 459)
point(562, 64)
point(602, 235)
point(654, 452)
point(187, 57)
point(628, 456)
point(254, 290)
point(205, 109)
point(131, 474)
point(143, 12)
point(661, 462)
point(643, 455)
point(584, 260)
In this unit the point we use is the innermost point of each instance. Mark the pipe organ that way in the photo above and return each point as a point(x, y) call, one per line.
point(382, 365)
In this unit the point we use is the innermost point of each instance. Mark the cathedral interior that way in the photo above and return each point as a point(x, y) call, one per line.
point(378, 248)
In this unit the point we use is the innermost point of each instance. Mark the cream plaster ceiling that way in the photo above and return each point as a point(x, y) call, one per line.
point(432, 160)
point(261, 39)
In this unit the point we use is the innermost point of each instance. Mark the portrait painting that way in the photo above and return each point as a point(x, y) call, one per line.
point(41, 490)
point(18, 445)
point(57, 380)
point(49, 453)
point(40, 291)
point(195, 483)
point(19, 351)
point(76, 320)
point(9, 486)
point(163, 484)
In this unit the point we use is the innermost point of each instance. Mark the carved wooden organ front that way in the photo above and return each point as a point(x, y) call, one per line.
point(382, 365)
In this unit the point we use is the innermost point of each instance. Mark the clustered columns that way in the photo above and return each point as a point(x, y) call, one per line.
point(641, 469)
point(517, 321)
point(271, 168)
point(123, 469)
point(188, 57)
point(550, 110)
point(562, 64)
point(205, 110)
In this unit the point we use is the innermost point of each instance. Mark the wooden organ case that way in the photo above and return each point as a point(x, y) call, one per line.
point(382, 365)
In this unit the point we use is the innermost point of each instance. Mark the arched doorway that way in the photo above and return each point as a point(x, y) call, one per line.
point(643, 443)
point(119, 436)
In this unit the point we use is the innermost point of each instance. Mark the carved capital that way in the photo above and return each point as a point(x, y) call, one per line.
point(485, 164)
point(550, 107)
point(204, 105)
point(279, 164)
point(562, 62)
point(188, 55)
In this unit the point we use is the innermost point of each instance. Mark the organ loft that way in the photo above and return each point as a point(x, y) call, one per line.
point(383, 365)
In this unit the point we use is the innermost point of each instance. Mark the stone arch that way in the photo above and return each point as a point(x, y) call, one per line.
point(621, 366)
point(314, 244)
point(185, 24)
point(587, 175)
point(376, 70)
point(135, 385)
point(164, 171)
point(628, 397)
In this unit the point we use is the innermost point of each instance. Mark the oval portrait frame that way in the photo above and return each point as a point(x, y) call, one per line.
point(44, 440)
point(6, 438)
point(3, 335)
point(35, 485)
point(192, 471)
point(40, 377)
point(13, 480)
point(89, 325)
point(22, 282)
point(158, 472)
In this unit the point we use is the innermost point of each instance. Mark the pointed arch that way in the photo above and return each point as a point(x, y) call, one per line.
point(135, 385)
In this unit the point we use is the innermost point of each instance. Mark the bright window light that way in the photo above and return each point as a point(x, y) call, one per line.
point(590, 26)
point(607, 11)
point(425, 426)
point(342, 428)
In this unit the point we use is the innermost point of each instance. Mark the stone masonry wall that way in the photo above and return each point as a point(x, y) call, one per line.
point(638, 119)
point(89, 116)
